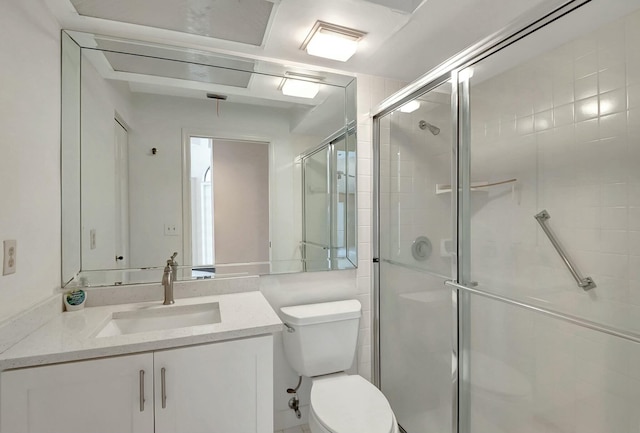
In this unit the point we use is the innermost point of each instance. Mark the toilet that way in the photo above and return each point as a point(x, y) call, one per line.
point(320, 343)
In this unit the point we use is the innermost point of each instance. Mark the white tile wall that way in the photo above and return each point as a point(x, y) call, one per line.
point(575, 151)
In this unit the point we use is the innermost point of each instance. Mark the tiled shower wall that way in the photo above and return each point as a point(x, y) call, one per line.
point(566, 125)
point(412, 162)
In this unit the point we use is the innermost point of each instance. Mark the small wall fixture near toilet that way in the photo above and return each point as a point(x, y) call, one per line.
point(321, 344)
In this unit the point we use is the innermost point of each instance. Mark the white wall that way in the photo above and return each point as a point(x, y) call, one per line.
point(30, 149)
point(100, 101)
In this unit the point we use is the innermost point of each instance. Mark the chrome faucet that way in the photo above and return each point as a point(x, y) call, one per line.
point(167, 282)
point(174, 266)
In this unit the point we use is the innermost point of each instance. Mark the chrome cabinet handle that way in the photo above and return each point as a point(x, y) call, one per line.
point(163, 372)
point(141, 390)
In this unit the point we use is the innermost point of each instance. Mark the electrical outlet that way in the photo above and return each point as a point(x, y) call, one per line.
point(10, 254)
point(170, 230)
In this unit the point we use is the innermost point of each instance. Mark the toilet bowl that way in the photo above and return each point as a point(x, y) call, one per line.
point(320, 343)
point(349, 404)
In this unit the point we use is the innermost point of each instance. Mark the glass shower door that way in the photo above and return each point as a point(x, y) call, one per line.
point(416, 254)
point(553, 200)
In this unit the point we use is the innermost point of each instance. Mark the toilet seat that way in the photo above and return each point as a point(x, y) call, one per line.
point(350, 404)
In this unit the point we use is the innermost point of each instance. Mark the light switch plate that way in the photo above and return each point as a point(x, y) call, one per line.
point(10, 254)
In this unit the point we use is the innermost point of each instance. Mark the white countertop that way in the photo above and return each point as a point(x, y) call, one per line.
point(70, 336)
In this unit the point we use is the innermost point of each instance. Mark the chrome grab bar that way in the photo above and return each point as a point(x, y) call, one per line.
point(585, 282)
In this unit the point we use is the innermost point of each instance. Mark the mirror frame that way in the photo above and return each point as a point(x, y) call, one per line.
point(71, 149)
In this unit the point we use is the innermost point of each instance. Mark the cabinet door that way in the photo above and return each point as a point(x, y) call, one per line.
point(216, 388)
point(99, 396)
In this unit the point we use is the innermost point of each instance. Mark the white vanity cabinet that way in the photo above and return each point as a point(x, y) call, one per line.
point(216, 388)
point(211, 388)
point(99, 396)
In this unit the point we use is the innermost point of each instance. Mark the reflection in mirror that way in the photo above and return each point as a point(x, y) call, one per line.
point(70, 155)
point(329, 203)
point(203, 155)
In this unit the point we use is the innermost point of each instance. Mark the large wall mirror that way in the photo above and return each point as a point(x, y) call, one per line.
point(240, 166)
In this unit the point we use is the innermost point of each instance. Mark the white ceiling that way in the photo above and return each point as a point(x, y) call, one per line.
point(398, 44)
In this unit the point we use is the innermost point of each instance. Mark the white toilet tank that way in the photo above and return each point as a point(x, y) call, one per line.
point(321, 338)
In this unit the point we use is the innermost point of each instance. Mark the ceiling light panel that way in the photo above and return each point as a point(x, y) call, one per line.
point(300, 88)
point(332, 41)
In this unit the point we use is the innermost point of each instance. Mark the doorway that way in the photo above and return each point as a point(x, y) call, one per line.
point(226, 205)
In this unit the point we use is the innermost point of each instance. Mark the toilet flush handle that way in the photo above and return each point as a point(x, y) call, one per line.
point(289, 327)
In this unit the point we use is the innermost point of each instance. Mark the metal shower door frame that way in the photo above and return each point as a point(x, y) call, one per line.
point(534, 20)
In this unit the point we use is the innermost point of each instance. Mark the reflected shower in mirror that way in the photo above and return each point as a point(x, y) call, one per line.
point(200, 154)
point(329, 204)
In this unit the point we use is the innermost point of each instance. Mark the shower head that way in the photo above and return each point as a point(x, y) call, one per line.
point(432, 128)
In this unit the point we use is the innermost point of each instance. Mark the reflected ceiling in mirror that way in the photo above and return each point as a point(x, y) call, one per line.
point(201, 154)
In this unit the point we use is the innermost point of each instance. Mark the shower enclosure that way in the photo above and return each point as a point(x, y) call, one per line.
point(507, 242)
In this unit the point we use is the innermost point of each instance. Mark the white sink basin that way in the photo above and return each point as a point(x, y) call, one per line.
point(160, 319)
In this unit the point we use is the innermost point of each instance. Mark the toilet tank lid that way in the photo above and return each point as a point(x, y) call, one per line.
point(319, 313)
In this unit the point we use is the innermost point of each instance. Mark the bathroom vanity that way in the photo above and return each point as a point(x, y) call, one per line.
point(203, 364)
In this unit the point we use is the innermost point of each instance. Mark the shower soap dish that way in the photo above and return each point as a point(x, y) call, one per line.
point(75, 300)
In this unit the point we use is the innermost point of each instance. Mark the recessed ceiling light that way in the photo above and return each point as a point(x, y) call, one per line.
point(410, 107)
point(332, 41)
point(301, 86)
